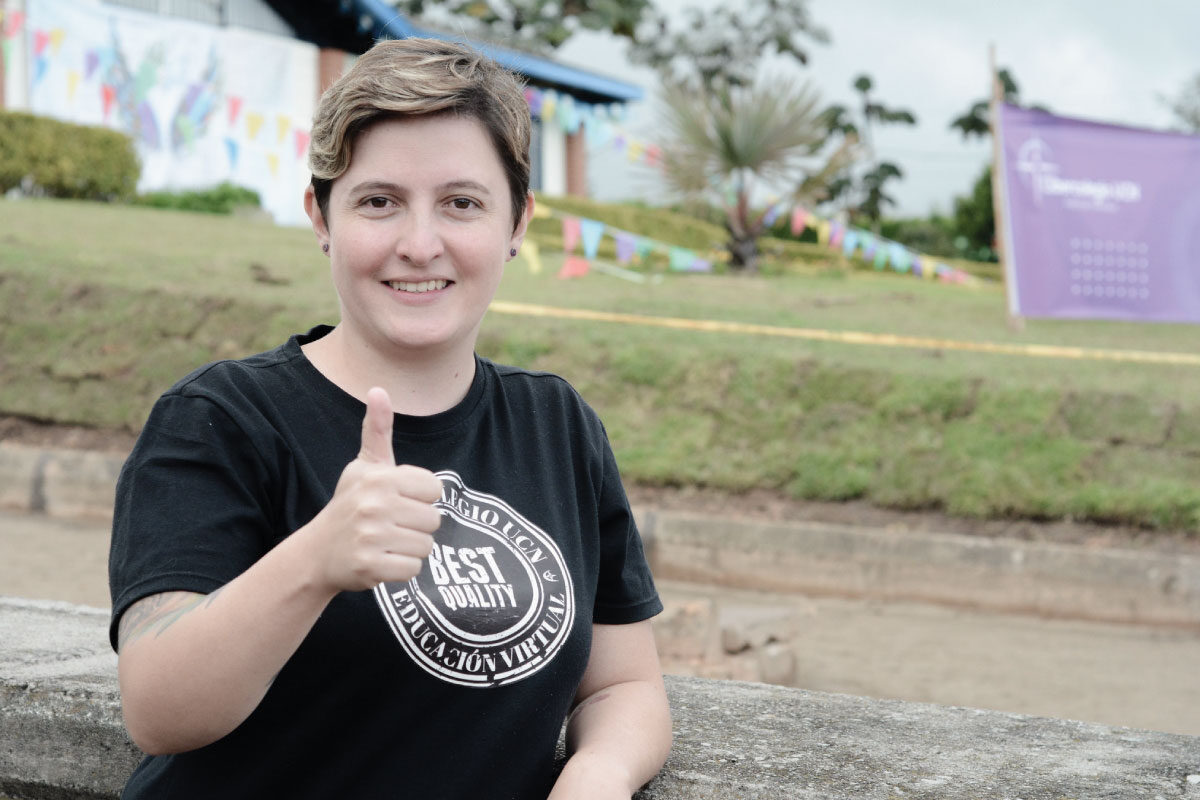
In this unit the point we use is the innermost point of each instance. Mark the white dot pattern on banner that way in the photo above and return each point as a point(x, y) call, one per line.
point(1107, 268)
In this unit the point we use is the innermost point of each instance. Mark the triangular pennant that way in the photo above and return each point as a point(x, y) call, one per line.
point(108, 96)
point(837, 231)
point(40, 40)
point(681, 259)
point(235, 108)
point(254, 123)
point(772, 214)
point(15, 20)
point(73, 78)
point(591, 232)
point(283, 124)
point(40, 65)
point(849, 243)
point(881, 258)
point(799, 218)
point(302, 139)
point(532, 255)
point(91, 60)
point(231, 147)
point(823, 230)
point(571, 233)
point(273, 163)
point(56, 40)
point(574, 267)
point(626, 247)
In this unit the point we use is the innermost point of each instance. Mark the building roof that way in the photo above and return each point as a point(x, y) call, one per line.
point(354, 25)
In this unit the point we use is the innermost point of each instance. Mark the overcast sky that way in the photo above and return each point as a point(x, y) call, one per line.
point(1106, 60)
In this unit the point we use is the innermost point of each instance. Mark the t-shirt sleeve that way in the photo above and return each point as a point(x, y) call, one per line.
point(625, 592)
point(192, 505)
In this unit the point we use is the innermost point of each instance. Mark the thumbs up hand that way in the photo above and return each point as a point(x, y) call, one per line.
point(379, 524)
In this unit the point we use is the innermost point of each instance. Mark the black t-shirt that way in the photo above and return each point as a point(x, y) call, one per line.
point(452, 685)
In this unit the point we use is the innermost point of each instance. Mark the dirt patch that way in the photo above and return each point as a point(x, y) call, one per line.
point(757, 504)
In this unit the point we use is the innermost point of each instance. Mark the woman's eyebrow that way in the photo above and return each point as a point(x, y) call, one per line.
point(465, 185)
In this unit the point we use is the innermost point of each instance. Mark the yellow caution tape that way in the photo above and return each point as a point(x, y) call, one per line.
point(849, 337)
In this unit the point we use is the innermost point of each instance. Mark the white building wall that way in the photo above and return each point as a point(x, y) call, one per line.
point(554, 161)
point(16, 67)
point(204, 104)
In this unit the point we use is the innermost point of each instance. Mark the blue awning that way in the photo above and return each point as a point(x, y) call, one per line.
point(385, 22)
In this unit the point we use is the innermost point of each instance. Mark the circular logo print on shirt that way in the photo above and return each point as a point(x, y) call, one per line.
point(492, 604)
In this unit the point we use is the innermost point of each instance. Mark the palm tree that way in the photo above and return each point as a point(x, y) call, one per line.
point(730, 140)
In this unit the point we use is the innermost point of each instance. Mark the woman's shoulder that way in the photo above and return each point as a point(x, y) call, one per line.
point(239, 375)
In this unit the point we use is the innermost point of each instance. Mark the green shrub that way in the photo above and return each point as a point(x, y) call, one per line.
point(59, 159)
point(220, 199)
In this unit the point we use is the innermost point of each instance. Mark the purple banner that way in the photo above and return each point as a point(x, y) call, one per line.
point(1102, 221)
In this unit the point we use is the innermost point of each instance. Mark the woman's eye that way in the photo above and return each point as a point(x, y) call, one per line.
point(463, 203)
point(377, 202)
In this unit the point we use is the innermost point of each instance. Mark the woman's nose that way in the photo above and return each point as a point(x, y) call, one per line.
point(418, 240)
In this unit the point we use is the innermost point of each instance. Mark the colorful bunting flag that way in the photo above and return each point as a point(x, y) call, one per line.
point(90, 61)
point(283, 124)
point(681, 259)
point(302, 139)
point(823, 230)
point(254, 123)
point(108, 96)
point(273, 163)
point(56, 39)
point(571, 233)
point(627, 245)
point(235, 108)
point(73, 78)
point(799, 218)
point(40, 40)
point(837, 231)
point(574, 267)
point(231, 147)
point(532, 255)
point(849, 243)
point(591, 232)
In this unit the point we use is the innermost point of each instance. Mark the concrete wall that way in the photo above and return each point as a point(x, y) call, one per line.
point(798, 557)
point(62, 736)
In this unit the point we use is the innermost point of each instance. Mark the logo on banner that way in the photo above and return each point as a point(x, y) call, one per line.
point(493, 603)
point(1038, 169)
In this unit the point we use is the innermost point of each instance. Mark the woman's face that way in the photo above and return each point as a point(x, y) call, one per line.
point(419, 228)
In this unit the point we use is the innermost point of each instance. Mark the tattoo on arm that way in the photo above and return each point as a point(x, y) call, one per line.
point(156, 613)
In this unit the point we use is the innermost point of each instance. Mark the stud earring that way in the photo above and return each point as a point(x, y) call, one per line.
point(512, 252)
point(325, 248)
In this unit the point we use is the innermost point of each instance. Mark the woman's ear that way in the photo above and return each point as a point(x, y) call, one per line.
point(522, 224)
point(313, 209)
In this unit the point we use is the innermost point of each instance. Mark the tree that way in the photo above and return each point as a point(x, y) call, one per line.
point(729, 131)
point(975, 220)
point(865, 193)
point(535, 23)
point(974, 215)
point(1186, 105)
point(976, 121)
point(724, 46)
point(722, 144)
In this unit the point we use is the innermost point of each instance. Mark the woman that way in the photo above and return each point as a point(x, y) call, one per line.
point(368, 563)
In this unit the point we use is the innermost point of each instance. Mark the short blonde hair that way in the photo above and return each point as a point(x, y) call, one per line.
point(421, 77)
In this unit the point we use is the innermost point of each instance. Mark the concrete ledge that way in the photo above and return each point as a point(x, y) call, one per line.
point(59, 482)
point(995, 574)
point(63, 738)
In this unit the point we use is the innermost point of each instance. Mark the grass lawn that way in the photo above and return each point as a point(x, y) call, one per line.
point(103, 307)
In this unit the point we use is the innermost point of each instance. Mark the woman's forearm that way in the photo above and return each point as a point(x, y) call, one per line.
point(617, 740)
point(192, 667)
